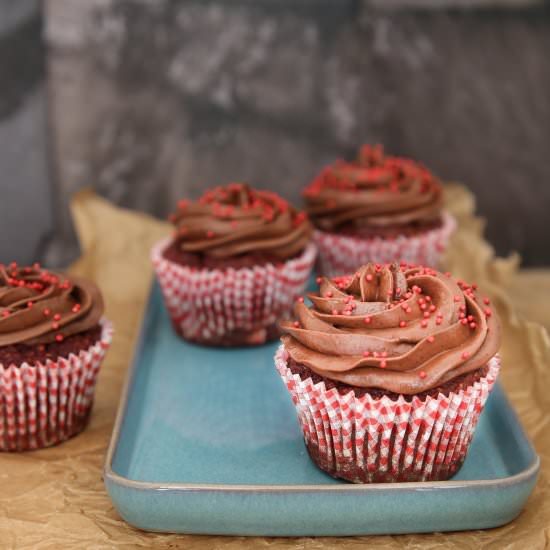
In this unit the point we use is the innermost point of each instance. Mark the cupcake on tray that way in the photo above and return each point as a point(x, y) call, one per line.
point(237, 261)
point(389, 370)
point(53, 338)
point(377, 209)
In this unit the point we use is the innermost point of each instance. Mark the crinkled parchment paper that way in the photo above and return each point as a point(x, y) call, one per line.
point(55, 498)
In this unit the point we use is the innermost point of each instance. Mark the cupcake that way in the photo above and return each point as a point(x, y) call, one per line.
point(238, 259)
point(389, 370)
point(53, 338)
point(377, 209)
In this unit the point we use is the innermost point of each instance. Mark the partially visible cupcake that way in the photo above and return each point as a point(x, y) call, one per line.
point(236, 263)
point(389, 370)
point(53, 338)
point(377, 209)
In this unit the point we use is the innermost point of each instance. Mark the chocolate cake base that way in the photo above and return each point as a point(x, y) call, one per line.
point(457, 384)
point(237, 337)
point(174, 253)
point(17, 354)
point(390, 231)
point(349, 470)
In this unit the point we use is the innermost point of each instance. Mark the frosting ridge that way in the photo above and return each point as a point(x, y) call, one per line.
point(374, 191)
point(236, 219)
point(401, 329)
point(39, 306)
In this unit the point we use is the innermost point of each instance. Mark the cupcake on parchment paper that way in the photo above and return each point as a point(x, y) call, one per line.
point(238, 260)
point(377, 209)
point(389, 370)
point(53, 338)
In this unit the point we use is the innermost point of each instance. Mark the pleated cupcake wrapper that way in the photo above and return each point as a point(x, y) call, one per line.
point(208, 304)
point(384, 439)
point(342, 255)
point(47, 403)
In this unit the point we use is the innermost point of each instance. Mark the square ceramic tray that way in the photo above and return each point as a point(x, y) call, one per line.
point(207, 441)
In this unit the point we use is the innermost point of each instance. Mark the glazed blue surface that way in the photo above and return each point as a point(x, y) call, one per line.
point(198, 415)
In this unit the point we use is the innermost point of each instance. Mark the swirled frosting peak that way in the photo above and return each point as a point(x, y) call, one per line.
point(39, 306)
point(401, 329)
point(375, 191)
point(236, 219)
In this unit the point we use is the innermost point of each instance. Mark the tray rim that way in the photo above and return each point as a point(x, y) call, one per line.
point(109, 475)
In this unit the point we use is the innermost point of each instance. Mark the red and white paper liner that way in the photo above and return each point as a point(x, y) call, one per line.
point(209, 305)
point(367, 440)
point(47, 403)
point(341, 254)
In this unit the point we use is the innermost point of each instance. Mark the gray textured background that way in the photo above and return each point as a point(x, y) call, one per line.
point(150, 100)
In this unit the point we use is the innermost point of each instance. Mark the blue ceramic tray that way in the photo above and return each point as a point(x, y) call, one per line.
point(207, 441)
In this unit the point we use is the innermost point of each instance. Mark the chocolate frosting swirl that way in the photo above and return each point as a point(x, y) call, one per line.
point(404, 330)
point(375, 191)
point(39, 306)
point(235, 219)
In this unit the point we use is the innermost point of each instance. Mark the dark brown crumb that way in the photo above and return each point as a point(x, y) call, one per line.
point(17, 354)
point(391, 231)
point(455, 385)
point(174, 253)
point(350, 470)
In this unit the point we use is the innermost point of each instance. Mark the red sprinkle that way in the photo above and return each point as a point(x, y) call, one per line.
point(296, 324)
point(486, 301)
point(29, 304)
point(301, 299)
point(5, 313)
point(366, 353)
point(46, 312)
point(422, 374)
point(329, 294)
point(369, 277)
point(488, 312)
point(76, 308)
point(59, 337)
point(424, 323)
point(318, 280)
point(402, 324)
point(56, 317)
point(430, 339)
point(465, 354)
point(383, 364)
point(55, 326)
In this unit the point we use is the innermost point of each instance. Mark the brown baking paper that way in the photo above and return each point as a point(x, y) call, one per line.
point(55, 498)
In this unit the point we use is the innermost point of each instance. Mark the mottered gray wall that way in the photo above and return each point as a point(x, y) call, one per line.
point(150, 100)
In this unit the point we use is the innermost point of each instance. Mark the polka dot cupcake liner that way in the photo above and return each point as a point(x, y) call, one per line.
point(47, 403)
point(210, 305)
point(368, 440)
point(341, 255)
